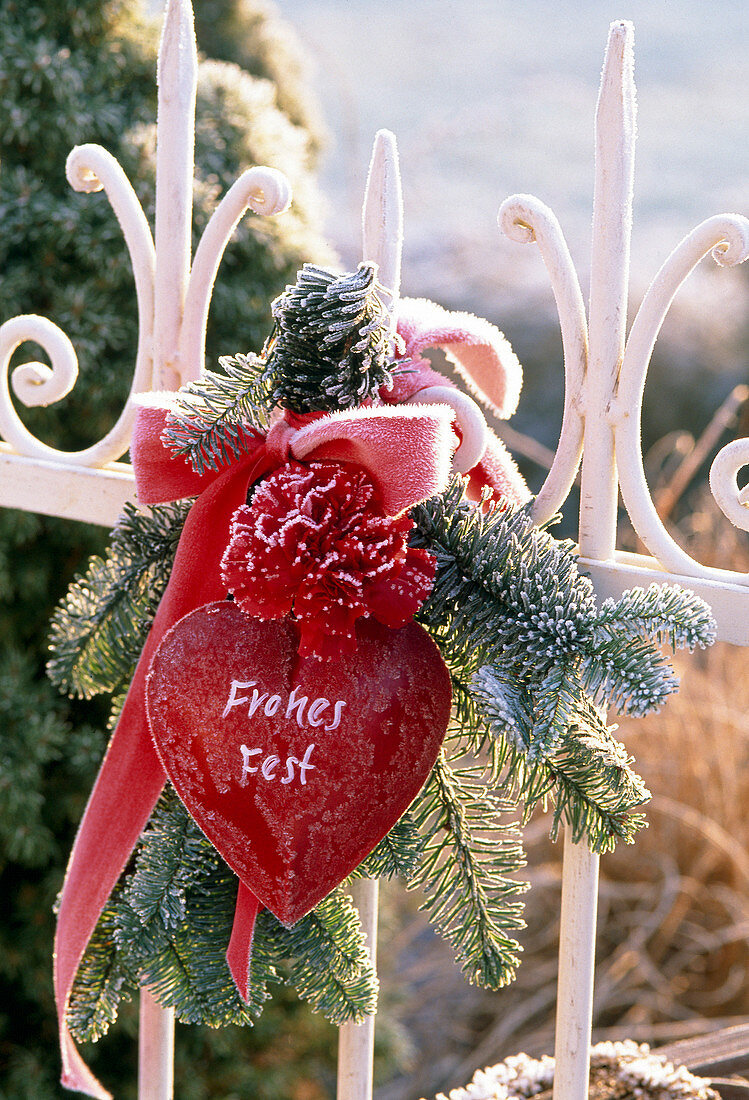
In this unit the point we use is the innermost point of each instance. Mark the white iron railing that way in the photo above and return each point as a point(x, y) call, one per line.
point(604, 377)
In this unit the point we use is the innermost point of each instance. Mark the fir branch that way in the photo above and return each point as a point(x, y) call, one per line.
point(469, 854)
point(528, 652)
point(100, 627)
point(330, 347)
point(398, 853)
point(101, 982)
point(596, 790)
point(554, 702)
point(171, 922)
point(171, 852)
point(500, 705)
point(589, 779)
point(329, 965)
point(507, 593)
point(664, 613)
point(628, 673)
point(115, 709)
point(186, 968)
point(505, 589)
point(220, 417)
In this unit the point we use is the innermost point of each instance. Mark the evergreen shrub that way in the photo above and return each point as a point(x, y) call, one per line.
point(76, 71)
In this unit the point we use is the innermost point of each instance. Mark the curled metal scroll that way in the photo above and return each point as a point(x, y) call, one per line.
point(89, 168)
point(265, 191)
point(525, 219)
point(473, 428)
point(727, 237)
point(732, 501)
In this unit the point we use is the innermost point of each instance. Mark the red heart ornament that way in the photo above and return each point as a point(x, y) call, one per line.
point(294, 768)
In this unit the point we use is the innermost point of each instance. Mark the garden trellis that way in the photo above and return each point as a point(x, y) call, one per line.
point(605, 376)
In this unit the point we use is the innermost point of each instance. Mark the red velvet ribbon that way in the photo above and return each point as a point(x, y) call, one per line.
point(488, 365)
point(406, 451)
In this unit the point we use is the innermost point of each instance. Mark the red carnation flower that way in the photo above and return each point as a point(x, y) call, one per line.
point(316, 543)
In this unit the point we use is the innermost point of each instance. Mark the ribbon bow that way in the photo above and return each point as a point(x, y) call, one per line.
point(406, 451)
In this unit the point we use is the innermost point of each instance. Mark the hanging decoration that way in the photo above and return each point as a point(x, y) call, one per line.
point(296, 773)
point(305, 637)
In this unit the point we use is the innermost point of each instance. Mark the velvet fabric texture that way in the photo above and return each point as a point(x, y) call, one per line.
point(484, 359)
point(406, 451)
point(406, 457)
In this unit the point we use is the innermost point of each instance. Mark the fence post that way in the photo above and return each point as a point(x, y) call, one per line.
point(177, 77)
point(356, 1041)
point(382, 243)
point(155, 1049)
point(609, 280)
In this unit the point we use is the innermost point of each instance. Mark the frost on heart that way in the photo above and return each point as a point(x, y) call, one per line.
point(316, 543)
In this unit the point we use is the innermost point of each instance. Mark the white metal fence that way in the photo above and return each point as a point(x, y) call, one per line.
point(605, 371)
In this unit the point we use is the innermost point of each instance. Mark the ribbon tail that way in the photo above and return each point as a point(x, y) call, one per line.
point(239, 951)
point(76, 1075)
point(132, 776)
point(126, 791)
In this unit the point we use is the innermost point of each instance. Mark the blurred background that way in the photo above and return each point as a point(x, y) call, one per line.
point(492, 98)
point(486, 98)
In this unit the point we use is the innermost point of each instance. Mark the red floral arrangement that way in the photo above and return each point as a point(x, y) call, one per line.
point(316, 542)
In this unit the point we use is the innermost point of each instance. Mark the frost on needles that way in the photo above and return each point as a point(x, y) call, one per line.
point(330, 346)
point(533, 662)
point(329, 349)
point(531, 658)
